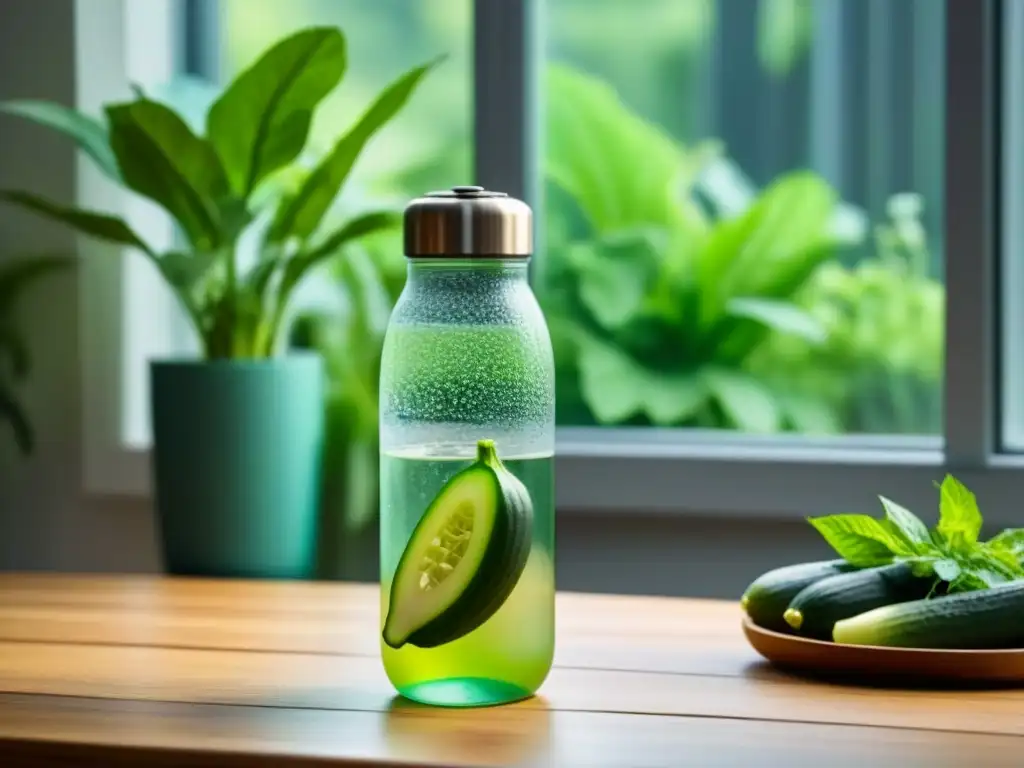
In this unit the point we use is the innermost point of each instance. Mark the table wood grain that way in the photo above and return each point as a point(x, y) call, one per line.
point(132, 670)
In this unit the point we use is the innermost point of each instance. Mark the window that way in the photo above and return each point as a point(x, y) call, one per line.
point(765, 227)
point(792, 280)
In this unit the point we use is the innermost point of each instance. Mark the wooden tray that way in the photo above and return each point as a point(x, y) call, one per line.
point(871, 664)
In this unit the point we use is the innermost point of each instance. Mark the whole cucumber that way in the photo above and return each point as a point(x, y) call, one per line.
point(767, 598)
point(815, 610)
point(988, 618)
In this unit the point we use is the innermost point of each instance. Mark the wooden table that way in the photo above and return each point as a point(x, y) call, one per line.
point(116, 671)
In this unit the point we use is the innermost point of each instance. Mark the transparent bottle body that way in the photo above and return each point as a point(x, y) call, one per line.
point(467, 357)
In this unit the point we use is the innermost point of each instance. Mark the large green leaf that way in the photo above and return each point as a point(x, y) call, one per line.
point(672, 398)
point(616, 388)
point(87, 132)
point(98, 225)
point(358, 227)
point(771, 249)
point(792, 238)
point(747, 403)
point(612, 384)
point(262, 120)
point(719, 251)
point(622, 170)
point(613, 275)
point(300, 215)
point(162, 159)
point(780, 316)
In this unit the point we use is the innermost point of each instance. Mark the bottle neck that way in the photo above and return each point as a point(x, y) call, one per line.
point(429, 271)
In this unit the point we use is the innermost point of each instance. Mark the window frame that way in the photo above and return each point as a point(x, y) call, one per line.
point(616, 470)
point(122, 300)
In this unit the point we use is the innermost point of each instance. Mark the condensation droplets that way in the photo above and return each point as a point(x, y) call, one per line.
point(468, 346)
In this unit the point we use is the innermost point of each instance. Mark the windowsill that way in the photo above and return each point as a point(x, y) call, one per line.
point(736, 476)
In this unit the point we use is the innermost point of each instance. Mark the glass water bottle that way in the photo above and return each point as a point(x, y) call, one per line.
point(467, 447)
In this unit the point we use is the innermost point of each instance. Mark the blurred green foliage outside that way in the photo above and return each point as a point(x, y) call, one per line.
point(678, 291)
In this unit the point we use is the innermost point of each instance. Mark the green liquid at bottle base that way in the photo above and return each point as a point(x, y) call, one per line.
point(507, 657)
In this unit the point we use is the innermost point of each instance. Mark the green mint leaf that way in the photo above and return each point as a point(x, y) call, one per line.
point(1011, 540)
point(861, 540)
point(982, 565)
point(981, 561)
point(947, 570)
point(1007, 558)
point(915, 531)
point(959, 516)
point(967, 582)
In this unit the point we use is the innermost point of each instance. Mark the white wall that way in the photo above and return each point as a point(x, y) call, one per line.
point(44, 520)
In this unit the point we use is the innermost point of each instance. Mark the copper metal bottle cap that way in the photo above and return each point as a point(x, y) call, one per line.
point(468, 222)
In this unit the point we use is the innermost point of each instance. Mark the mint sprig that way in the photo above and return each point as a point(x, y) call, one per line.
point(862, 540)
point(959, 516)
point(950, 552)
point(909, 525)
point(1010, 541)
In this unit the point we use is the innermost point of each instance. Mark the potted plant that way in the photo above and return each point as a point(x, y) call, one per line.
point(15, 277)
point(237, 434)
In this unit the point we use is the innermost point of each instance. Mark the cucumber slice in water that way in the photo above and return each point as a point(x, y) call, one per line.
point(464, 557)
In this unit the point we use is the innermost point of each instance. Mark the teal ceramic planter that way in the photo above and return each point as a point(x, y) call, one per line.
point(236, 464)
